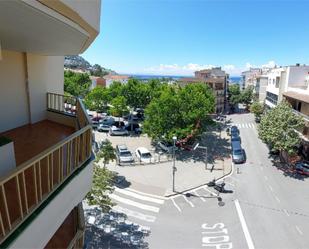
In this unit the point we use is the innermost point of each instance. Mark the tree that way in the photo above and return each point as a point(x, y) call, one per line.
point(102, 186)
point(178, 111)
point(246, 96)
point(106, 152)
point(278, 128)
point(234, 94)
point(119, 106)
point(97, 99)
point(116, 89)
point(76, 84)
point(257, 109)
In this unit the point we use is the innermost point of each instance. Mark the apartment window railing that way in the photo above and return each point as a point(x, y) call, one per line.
point(30, 184)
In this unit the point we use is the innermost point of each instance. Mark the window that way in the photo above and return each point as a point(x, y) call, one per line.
point(277, 82)
point(272, 98)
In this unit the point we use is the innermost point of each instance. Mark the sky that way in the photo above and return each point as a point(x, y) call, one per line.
point(178, 37)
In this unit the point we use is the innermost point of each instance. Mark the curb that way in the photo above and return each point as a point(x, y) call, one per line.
point(190, 189)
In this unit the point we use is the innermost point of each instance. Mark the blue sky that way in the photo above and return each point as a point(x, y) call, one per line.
point(177, 37)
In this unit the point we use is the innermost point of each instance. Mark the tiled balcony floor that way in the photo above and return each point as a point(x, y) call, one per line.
point(32, 139)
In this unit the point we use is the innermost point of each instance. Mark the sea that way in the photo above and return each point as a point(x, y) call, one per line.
point(233, 79)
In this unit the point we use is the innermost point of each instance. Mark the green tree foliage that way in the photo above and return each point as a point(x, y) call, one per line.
point(119, 106)
point(177, 111)
point(234, 94)
point(136, 93)
point(246, 96)
point(102, 186)
point(116, 89)
point(97, 70)
point(277, 128)
point(76, 84)
point(257, 109)
point(106, 153)
point(97, 99)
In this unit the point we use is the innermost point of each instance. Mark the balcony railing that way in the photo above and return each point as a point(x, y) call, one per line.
point(30, 184)
point(306, 117)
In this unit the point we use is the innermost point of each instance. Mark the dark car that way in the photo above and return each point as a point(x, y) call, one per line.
point(132, 126)
point(302, 168)
point(235, 137)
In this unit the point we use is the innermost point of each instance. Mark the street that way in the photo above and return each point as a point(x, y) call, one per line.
point(274, 206)
point(264, 206)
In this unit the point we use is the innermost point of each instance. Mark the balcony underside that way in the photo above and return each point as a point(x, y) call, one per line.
point(32, 139)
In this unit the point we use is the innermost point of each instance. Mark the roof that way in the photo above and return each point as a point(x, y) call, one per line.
point(116, 77)
point(207, 80)
point(215, 71)
point(143, 150)
point(298, 96)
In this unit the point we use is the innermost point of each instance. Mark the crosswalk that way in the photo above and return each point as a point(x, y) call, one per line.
point(246, 125)
point(138, 206)
point(193, 198)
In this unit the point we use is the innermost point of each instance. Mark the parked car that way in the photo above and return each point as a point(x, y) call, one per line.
point(103, 128)
point(134, 127)
point(234, 129)
point(166, 146)
point(123, 154)
point(107, 121)
point(95, 124)
point(143, 155)
point(302, 168)
point(238, 153)
point(119, 124)
point(235, 137)
point(116, 131)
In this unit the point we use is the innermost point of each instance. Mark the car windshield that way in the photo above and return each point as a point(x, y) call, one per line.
point(146, 155)
point(237, 152)
point(125, 153)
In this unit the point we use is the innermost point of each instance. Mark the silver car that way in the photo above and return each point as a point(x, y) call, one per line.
point(123, 154)
point(115, 131)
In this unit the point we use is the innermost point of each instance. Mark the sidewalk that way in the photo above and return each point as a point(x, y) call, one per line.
point(191, 169)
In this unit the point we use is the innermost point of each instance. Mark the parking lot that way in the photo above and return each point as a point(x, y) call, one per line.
point(133, 142)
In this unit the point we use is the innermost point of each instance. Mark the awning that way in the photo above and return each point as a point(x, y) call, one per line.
point(297, 96)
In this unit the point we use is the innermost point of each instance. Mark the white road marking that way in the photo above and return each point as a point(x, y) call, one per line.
point(138, 196)
point(131, 213)
point(286, 212)
point(176, 205)
point(142, 193)
point(298, 230)
point(266, 178)
point(278, 200)
point(212, 193)
point(135, 204)
point(197, 194)
point(271, 189)
point(186, 199)
point(244, 225)
point(246, 125)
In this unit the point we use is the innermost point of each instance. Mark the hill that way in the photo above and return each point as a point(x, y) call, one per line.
point(77, 62)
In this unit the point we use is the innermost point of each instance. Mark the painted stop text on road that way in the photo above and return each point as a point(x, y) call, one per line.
point(215, 236)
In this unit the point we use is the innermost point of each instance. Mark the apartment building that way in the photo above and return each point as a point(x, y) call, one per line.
point(216, 79)
point(109, 79)
point(248, 78)
point(260, 87)
point(45, 137)
point(97, 81)
point(272, 90)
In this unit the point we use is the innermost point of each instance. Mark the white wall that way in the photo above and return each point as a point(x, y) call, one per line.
point(43, 227)
point(13, 98)
point(88, 10)
point(45, 73)
point(298, 76)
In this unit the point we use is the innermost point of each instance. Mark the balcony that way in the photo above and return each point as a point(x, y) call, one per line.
point(47, 154)
point(305, 117)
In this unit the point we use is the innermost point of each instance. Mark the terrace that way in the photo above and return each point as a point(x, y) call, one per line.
point(47, 153)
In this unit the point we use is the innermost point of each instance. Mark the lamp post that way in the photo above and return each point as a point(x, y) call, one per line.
point(174, 168)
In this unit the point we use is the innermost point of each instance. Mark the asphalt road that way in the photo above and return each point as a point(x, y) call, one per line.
point(267, 208)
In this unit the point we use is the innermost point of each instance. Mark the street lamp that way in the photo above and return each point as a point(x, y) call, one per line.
point(174, 168)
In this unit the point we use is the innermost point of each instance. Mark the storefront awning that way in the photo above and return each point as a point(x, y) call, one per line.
point(297, 96)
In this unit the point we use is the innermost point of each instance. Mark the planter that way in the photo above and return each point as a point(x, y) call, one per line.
point(7, 156)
